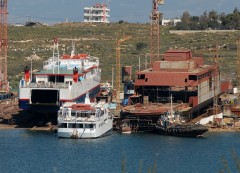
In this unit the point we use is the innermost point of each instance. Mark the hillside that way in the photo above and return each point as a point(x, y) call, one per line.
point(100, 40)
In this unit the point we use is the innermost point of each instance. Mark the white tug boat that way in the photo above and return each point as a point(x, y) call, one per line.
point(84, 120)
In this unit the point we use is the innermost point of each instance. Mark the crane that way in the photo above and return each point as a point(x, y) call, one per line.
point(216, 81)
point(238, 63)
point(154, 31)
point(118, 67)
point(4, 86)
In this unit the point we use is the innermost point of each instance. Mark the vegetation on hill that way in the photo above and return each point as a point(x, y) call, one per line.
point(210, 20)
point(100, 40)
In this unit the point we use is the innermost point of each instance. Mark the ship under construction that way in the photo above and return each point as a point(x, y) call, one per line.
point(190, 83)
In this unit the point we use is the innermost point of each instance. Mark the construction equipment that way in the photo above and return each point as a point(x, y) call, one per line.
point(238, 67)
point(4, 85)
point(238, 64)
point(118, 67)
point(154, 33)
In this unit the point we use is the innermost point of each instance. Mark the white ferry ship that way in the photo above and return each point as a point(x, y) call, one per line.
point(84, 120)
point(63, 79)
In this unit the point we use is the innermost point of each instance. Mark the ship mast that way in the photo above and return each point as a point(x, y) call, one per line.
point(55, 57)
point(171, 111)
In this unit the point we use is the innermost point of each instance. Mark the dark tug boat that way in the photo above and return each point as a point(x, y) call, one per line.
point(180, 130)
point(171, 124)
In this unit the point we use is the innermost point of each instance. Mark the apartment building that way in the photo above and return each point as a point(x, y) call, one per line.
point(97, 13)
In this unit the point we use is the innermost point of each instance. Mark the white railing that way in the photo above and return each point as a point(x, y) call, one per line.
point(46, 85)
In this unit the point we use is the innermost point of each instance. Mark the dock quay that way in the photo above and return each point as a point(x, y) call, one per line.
point(45, 128)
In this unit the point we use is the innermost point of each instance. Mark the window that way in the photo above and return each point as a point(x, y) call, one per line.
point(62, 125)
point(192, 77)
point(141, 76)
point(56, 79)
point(80, 126)
point(71, 125)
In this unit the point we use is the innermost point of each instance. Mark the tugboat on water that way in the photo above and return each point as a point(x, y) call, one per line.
point(170, 128)
point(172, 125)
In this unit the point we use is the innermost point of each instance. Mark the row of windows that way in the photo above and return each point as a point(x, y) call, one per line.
point(75, 125)
point(190, 77)
point(88, 114)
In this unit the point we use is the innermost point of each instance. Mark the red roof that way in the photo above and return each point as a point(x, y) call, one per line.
point(79, 56)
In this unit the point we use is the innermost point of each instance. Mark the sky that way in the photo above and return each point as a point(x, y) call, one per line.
point(134, 11)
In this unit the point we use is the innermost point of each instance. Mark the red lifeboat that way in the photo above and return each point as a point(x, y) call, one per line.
point(82, 107)
point(26, 74)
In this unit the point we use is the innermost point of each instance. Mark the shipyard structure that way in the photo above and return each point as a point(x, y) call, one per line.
point(179, 78)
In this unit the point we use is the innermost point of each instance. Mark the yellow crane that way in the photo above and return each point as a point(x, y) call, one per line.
point(154, 31)
point(238, 67)
point(118, 68)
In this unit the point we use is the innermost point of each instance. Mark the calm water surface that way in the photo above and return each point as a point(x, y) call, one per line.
point(25, 151)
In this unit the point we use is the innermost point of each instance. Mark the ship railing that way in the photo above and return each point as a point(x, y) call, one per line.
point(78, 119)
point(46, 85)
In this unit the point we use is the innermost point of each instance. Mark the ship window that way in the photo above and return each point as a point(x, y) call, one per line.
point(141, 76)
point(56, 79)
point(71, 125)
point(62, 125)
point(146, 79)
point(80, 126)
point(91, 126)
point(130, 87)
point(192, 77)
point(210, 84)
point(87, 126)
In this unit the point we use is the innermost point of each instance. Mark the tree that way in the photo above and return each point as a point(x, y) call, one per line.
point(203, 24)
point(236, 18)
point(140, 46)
point(186, 17)
point(213, 20)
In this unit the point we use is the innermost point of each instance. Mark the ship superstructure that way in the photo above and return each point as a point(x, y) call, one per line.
point(63, 79)
point(181, 75)
point(84, 120)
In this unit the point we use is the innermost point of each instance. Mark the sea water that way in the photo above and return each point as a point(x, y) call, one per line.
point(24, 151)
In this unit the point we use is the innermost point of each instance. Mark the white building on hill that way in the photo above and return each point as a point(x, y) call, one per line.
point(172, 22)
point(97, 13)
